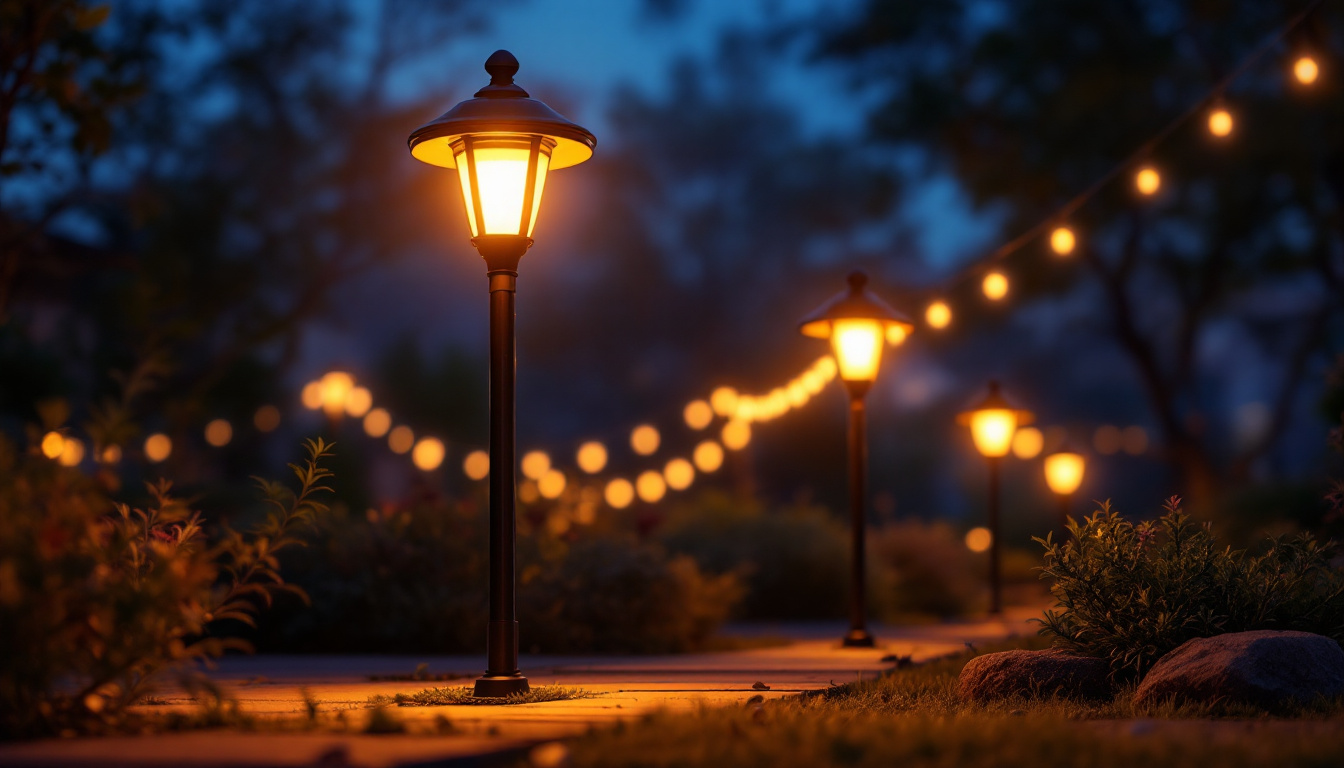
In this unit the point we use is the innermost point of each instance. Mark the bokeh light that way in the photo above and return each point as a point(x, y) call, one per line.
point(698, 414)
point(619, 493)
point(428, 454)
point(158, 447)
point(1306, 70)
point(826, 367)
point(527, 492)
point(1220, 122)
point(708, 456)
point(1147, 180)
point(736, 435)
point(896, 335)
point(358, 402)
point(592, 457)
point(1028, 442)
point(995, 286)
point(644, 439)
point(476, 465)
point(535, 464)
point(1064, 472)
point(218, 433)
point(552, 484)
point(679, 474)
point(979, 539)
point(312, 395)
point(266, 419)
point(72, 452)
point(1062, 241)
point(724, 401)
point(110, 455)
point(992, 430)
point(938, 315)
point(1106, 439)
point(401, 439)
point(377, 422)
point(335, 388)
point(650, 486)
point(1134, 440)
point(52, 445)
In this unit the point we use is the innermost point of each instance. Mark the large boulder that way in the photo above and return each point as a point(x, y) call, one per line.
point(1035, 674)
point(1263, 668)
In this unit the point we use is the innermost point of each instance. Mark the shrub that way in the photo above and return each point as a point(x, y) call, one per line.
point(98, 598)
point(1131, 593)
point(924, 570)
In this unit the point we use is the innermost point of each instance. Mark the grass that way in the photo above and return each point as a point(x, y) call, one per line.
point(912, 717)
point(438, 697)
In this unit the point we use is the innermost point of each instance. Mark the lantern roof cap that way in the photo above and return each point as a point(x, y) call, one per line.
point(856, 303)
point(501, 107)
point(993, 400)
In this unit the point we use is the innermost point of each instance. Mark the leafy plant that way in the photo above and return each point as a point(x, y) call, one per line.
point(97, 598)
point(1130, 592)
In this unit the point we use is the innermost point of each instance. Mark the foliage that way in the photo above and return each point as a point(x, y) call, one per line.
point(1130, 593)
point(924, 569)
point(98, 597)
point(413, 578)
point(437, 697)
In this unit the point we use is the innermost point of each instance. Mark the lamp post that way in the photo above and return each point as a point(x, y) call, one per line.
point(1064, 473)
point(993, 420)
point(502, 144)
point(857, 324)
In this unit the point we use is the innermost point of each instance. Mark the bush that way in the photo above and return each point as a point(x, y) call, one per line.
point(925, 570)
point(1131, 593)
point(98, 598)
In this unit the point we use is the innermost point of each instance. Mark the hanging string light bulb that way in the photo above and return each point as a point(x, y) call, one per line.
point(1147, 180)
point(995, 285)
point(1306, 70)
point(938, 315)
point(1220, 122)
point(1062, 241)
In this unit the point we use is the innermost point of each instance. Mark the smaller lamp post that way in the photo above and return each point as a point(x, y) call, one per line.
point(993, 420)
point(1064, 473)
point(857, 324)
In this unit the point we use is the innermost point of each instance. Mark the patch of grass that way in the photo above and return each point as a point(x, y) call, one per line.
point(438, 697)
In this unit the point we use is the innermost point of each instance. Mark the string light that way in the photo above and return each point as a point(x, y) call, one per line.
point(736, 435)
point(110, 455)
point(72, 452)
point(358, 402)
point(1028, 442)
point(218, 433)
point(377, 423)
point(698, 414)
point(724, 401)
point(535, 464)
point(1220, 122)
point(619, 493)
point(591, 457)
point(401, 439)
point(679, 474)
point(1306, 70)
point(708, 456)
point(651, 487)
point(428, 454)
point(1062, 241)
point(266, 419)
point(312, 395)
point(1147, 180)
point(644, 439)
point(158, 447)
point(552, 484)
point(476, 465)
point(995, 286)
point(52, 445)
point(938, 315)
point(979, 539)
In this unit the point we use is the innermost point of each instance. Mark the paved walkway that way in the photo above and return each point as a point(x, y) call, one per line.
point(277, 689)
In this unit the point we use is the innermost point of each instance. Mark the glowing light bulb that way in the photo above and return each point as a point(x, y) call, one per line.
point(52, 444)
point(401, 439)
point(651, 486)
point(992, 430)
point(736, 435)
point(938, 315)
point(896, 335)
point(1220, 122)
point(979, 539)
point(592, 457)
point(428, 454)
point(858, 348)
point(1306, 70)
point(335, 387)
point(644, 439)
point(995, 286)
point(1062, 241)
point(724, 401)
point(312, 395)
point(377, 422)
point(358, 402)
point(698, 414)
point(1147, 180)
point(266, 419)
point(218, 433)
point(708, 456)
point(679, 474)
point(476, 465)
point(72, 452)
point(619, 493)
point(1028, 442)
point(1064, 472)
point(535, 464)
point(158, 447)
point(552, 484)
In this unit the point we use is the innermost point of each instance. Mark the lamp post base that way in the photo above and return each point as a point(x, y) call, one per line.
point(497, 687)
point(857, 638)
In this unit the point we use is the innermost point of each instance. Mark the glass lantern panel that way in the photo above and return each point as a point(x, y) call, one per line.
point(858, 348)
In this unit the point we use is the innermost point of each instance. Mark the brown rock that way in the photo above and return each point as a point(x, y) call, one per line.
point(1263, 668)
point(1035, 674)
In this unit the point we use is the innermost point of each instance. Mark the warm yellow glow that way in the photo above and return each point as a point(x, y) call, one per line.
point(312, 395)
point(527, 492)
point(724, 401)
point(896, 335)
point(619, 493)
point(52, 444)
point(992, 430)
point(585, 513)
point(476, 465)
point(72, 452)
point(1147, 180)
point(552, 484)
point(858, 348)
point(747, 409)
point(266, 419)
point(218, 433)
point(679, 474)
point(501, 176)
point(938, 315)
point(336, 386)
point(1306, 70)
point(778, 402)
point(110, 455)
point(826, 367)
point(1134, 440)
point(1064, 472)
point(401, 439)
point(428, 454)
point(1106, 439)
point(1220, 122)
point(535, 464)
point(995, 286)
point(358, 402)
point(1028, 442)
point(377, 422)
point(592, 457)
point(736, 434)
point(158, 447)
point(979, 539)
point(644, 439)
point(698, 414)
point(1062, 241)
point(650, 486)
point(708, 456)
point(798, 395)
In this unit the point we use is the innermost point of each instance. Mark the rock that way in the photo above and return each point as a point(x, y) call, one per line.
point(1034, 674)
point(1263, 668)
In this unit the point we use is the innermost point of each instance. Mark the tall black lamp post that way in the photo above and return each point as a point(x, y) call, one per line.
point(502, 143)
point(858, 325)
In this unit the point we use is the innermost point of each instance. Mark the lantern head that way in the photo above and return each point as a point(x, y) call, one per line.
point(993, 420)
point(857, 324)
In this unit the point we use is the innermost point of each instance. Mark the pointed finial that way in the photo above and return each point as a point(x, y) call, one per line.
point(502, 66)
